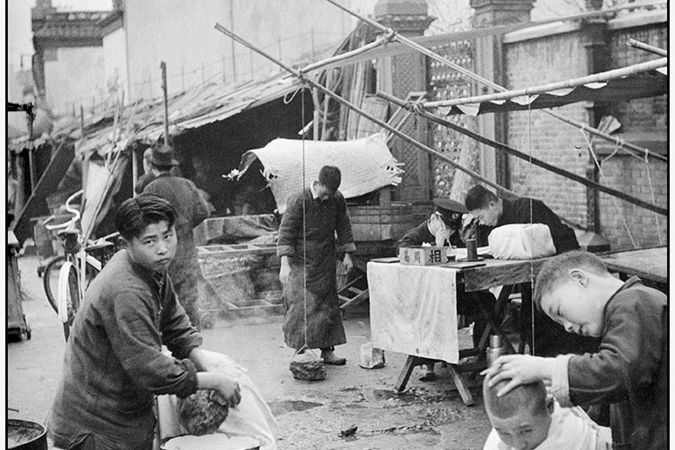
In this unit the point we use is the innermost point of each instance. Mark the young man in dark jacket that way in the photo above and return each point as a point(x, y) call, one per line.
point(114, 364)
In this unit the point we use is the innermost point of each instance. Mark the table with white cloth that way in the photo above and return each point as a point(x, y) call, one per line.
point(413, 310)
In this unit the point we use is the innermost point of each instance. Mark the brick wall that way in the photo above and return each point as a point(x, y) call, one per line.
point(644, 122)
point(530, 63)
point(630, 175)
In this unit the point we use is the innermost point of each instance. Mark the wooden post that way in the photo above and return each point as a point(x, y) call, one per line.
point(317, 108)
point(81, 121)
point(32, 169)
point(134, 169)
point(166, 103)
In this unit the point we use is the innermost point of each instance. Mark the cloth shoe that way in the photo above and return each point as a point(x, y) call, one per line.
point(329, 357)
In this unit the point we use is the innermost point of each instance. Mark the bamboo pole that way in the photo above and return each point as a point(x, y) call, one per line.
point(347, 55)
point(537, 162)
point(427, 149)
point(337, 98)
point(544, 88)
point(486, 82)
point(649, 48)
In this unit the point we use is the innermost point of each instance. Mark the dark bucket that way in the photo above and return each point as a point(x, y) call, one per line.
point(26, 435)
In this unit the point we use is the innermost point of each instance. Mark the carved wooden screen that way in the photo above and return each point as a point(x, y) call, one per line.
point(446, 83)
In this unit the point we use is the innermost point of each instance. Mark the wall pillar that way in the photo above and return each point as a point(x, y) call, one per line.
point(595, 40)
point(400, 75)
point(490, 64)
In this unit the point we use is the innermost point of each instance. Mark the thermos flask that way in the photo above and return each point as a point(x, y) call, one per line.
point(496, 349)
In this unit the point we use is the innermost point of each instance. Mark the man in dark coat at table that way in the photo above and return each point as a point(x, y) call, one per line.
point(308, 265)
point(191, 210)
point(490, 211)
point(444, 227)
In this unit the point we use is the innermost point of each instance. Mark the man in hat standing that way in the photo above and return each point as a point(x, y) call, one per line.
point(307, 248)
point(191, 210)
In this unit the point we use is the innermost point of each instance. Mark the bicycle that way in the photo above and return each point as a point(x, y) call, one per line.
point(66, 278)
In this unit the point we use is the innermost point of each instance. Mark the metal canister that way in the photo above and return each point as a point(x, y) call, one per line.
point(495, 349)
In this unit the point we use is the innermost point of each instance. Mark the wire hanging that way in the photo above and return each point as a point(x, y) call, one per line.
point(304, 216)
point(602, 174)
point(529, 144)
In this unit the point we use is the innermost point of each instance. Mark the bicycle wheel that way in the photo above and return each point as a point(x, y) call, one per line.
point(50, 277)
point(67, 296)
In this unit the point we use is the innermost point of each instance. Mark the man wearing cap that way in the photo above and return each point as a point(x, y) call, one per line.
point(444, 227)
point(191, 210)
point(148, 176)
point(308, 265)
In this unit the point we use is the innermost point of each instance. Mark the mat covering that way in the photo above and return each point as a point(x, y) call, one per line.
point(366, 165)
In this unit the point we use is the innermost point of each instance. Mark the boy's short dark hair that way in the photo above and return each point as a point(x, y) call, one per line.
point(529, 397)
point(478, 197)
point(136, 213)
point(330, 176)
point(557, 269)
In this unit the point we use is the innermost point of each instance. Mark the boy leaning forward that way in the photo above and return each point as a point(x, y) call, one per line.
point(629, 370)
point(114, 364)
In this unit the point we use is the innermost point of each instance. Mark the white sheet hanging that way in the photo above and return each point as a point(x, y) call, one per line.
point(413, 310)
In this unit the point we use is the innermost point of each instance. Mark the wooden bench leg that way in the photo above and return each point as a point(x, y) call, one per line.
point(408, 367)
point(463, 390)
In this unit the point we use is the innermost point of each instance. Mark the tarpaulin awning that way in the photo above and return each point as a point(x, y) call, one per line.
point(621, 89)
point(366, 165)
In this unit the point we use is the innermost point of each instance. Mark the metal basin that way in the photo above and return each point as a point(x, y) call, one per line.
point(26, 435)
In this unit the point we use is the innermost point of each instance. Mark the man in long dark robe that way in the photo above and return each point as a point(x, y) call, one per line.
point(308, 265)
point(191, 210)
point(490, 212)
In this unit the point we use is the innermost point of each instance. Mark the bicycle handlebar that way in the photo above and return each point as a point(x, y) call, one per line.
point(70, 223)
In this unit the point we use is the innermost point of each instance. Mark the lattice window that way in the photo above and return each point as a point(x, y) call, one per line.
point(446, 83)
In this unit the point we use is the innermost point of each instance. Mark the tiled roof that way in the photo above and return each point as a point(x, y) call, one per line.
point(74, 24)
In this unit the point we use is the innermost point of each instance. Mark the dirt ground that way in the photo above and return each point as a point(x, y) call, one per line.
point(310, 414)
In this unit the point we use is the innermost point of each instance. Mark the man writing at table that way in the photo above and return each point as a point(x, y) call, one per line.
point(443, 228)
point(490, 211)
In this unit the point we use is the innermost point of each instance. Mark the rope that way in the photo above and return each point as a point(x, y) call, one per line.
point(602, 174)
point(304, 216)
point(529, 144)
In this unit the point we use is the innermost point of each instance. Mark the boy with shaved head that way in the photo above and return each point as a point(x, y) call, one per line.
point(525, 419)
point(629, 371)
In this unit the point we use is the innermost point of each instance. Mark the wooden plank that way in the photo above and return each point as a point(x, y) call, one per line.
point(404, 376)
point(498, 273)
point(648, 264)
point(463, 390)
